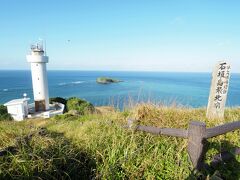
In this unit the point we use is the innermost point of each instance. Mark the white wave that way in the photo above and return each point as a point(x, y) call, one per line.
point(77, 82)
point(5, 90)
point(62, 84)
point(69, 83)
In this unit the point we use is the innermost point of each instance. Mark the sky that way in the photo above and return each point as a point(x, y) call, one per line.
point(122, 35)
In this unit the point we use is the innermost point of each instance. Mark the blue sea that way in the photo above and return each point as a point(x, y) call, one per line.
point(187, 89)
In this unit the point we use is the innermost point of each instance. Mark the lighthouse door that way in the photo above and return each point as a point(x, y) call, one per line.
point(40, 106)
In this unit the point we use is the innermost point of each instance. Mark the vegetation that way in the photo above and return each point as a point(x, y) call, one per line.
point(107, 80)
point(59, 100)
point(81, 106)
point(97, 146)
point(74, 104)
point(4, 116)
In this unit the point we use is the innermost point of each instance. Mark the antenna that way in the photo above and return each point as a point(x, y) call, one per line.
point(45, 47)
point(41, 41)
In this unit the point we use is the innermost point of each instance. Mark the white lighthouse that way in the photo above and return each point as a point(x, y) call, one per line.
point(19, 109)
point(38, 60)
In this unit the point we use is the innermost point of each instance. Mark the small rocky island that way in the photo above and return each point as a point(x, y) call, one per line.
point(107, 80)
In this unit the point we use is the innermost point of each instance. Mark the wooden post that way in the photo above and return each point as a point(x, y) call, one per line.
point(196, 140)
point(218, 91)
point(222, 129)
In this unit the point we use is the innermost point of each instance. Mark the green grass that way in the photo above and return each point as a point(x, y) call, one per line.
point(97, 145)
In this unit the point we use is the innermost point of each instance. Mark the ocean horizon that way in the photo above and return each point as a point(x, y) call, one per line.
point(182, 88)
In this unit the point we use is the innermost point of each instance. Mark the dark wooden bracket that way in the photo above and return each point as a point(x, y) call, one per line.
point(197, 135)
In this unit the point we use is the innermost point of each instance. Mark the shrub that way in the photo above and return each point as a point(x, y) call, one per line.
point(80, 105)
point(4, 116)
point(59, 100)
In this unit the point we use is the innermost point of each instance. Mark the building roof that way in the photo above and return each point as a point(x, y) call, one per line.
point(16, 101)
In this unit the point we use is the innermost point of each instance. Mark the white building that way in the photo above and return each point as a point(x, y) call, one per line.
point(18, 108)
point(38, 60)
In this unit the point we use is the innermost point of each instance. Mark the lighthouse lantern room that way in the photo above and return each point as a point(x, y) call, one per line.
point(38, 60)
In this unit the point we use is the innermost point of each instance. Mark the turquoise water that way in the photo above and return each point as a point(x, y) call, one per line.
point(188, 89)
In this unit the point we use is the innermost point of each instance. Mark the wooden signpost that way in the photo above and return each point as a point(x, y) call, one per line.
point(218, 90)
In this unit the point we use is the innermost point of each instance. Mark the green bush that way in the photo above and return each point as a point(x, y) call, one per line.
point(4, 116)
point(80, 105)
point(59, 100)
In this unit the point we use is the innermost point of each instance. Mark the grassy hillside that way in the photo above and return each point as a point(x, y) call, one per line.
point(97, 146)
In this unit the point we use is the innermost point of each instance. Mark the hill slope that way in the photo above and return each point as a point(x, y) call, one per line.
point(97, 145)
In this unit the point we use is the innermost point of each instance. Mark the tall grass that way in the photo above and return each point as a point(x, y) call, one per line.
point(97, 145)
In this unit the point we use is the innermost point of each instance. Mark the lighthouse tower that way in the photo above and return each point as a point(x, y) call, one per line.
point(38, 60)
